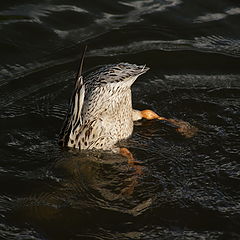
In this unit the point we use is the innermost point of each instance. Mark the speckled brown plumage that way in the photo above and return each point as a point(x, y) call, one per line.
point(101, 111)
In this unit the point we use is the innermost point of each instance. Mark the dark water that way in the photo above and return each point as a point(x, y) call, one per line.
point(187, 188)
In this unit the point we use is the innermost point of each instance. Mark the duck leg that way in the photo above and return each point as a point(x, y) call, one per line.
point(184, 128)
point(133, 180)
point(131, 161)
point(126, 153)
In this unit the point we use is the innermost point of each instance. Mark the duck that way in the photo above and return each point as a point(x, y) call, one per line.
point(100, 111)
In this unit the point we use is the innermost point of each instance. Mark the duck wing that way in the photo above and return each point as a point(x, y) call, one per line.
point(74, 117)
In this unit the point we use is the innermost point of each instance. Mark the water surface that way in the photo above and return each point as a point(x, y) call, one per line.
point(182, 188)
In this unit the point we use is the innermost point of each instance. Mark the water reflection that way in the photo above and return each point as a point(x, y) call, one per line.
point(103, 181)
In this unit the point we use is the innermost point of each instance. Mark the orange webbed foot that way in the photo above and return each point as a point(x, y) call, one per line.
point(150, 115)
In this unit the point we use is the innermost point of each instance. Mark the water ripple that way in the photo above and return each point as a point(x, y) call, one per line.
point(213, 44)
point(181, 188)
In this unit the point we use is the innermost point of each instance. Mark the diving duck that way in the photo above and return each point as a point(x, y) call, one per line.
point(100, 112)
